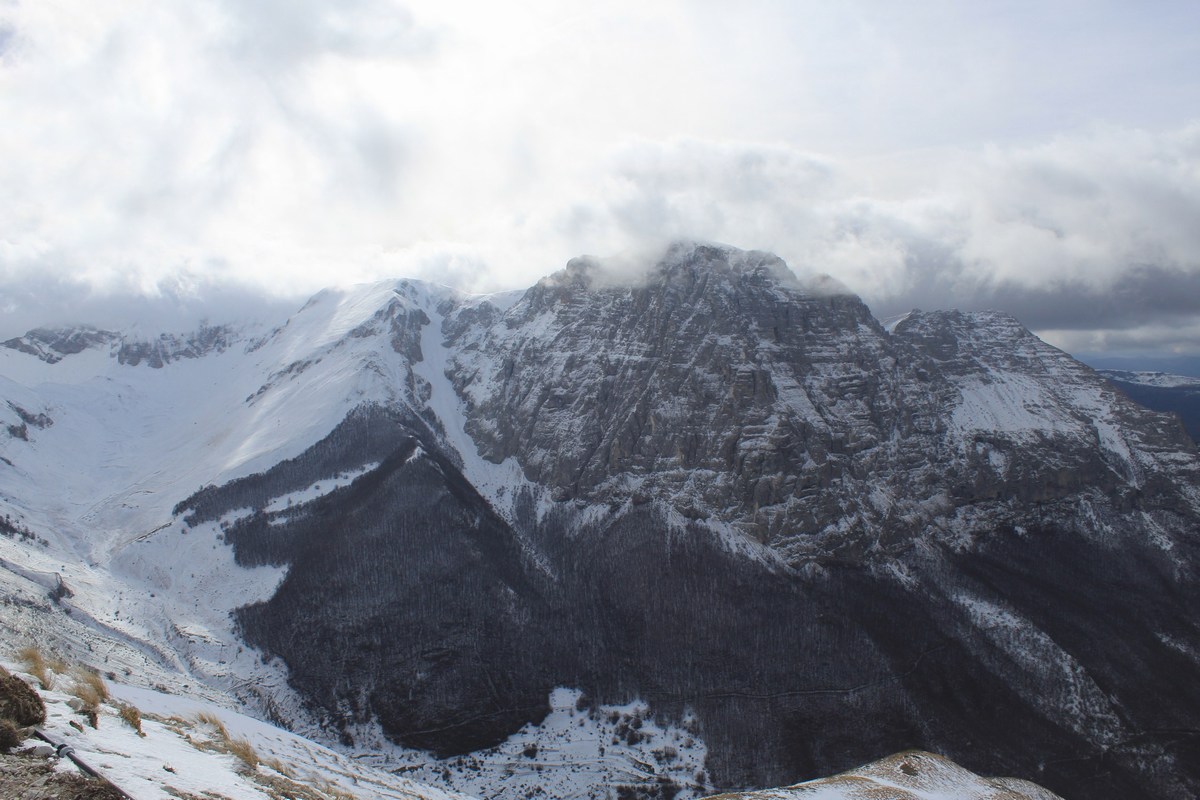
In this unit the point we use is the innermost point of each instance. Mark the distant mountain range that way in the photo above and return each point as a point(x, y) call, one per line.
point(1187, 366)
point(1177, 394)
point(695, 527)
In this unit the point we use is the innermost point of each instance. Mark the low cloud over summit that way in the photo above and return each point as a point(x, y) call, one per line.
point(929, 159)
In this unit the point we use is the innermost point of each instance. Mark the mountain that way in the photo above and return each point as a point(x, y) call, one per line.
point(1162, 391)
point(691, 527)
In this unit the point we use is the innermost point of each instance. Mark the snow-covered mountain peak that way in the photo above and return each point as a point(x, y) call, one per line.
point(682, 266)
point(429, 511)
point(131, 346)
point(685, 261)
point(332, 314)
point(910, 775)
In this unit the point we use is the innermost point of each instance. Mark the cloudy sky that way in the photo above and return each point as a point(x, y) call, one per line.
point(1040, 157)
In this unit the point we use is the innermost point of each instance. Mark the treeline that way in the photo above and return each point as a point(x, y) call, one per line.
point(15, 530)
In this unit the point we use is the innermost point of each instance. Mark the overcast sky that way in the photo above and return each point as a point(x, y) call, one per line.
point(1039, 157)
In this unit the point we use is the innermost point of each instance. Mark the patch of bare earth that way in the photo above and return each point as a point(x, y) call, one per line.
point(24, 777)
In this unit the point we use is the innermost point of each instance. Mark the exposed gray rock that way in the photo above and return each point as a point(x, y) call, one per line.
point(168, 347)
point(719, 385)
point(51, 344)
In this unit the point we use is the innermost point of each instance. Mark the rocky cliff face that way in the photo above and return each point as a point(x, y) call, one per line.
point(719, 387)
point(733, 496)
point(723, 388)
point(52, 345)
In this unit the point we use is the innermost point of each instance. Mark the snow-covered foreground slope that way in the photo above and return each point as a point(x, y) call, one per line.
point(409, 523)
point(153, 745)
point(190, 748)
point(912, 775)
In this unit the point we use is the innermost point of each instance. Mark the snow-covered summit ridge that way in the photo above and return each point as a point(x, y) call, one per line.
point(911, 775)
point(715, 381)
point(684, 263)
point(721, 389)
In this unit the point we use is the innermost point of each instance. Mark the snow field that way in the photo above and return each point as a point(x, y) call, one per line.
point(191, 748)
point(579, 752)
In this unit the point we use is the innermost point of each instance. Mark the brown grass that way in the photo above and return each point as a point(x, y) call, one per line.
point(205, 718)
point(10, 735)
point(282, 785)
point(35, 664)
point(89, 687)
point(132, 717)
point(243, 751)
point(19, 701)
point(331, 790)
point(282, 788)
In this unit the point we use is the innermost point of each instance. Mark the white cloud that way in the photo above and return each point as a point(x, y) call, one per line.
point(287, 146)
point(1097, 229)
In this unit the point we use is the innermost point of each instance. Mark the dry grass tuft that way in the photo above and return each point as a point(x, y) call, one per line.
point(212, 720)
point(278, 779)
point(35, 664)
point(284, 788)
point(331, 790)
point(132, 717)
point(10, 735)
point(89, 687)
point(243, 751)
point(19, 702)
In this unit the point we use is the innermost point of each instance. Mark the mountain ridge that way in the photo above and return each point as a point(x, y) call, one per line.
point(731, 496)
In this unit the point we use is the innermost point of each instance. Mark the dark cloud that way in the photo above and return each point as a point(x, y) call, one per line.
point(1145, 294)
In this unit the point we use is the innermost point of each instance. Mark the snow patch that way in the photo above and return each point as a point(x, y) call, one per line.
point(578, 752)
point(178, 753)
point(320, 488)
